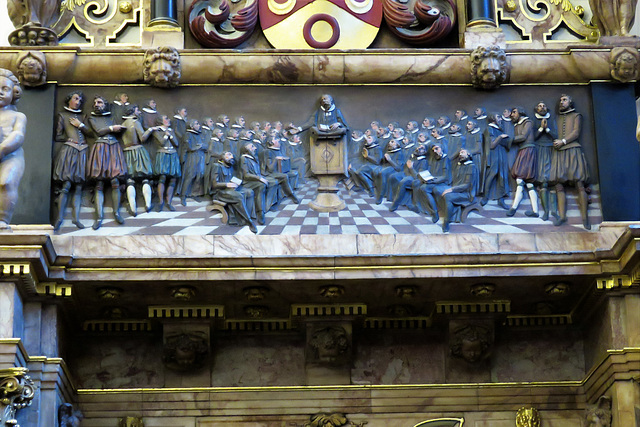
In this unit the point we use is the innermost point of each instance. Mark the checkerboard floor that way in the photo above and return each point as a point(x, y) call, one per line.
point(362, 216)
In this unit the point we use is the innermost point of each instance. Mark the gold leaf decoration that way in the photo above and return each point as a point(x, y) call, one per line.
point(71, 4)
point(566, 4)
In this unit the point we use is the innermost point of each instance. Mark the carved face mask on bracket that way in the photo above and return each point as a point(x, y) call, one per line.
point(320, 24)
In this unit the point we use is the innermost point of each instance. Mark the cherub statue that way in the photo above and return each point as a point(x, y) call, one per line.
point(12, 129)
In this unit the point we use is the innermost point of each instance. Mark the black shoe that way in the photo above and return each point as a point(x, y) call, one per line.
point(435, 218)
point(511, 212)
point(171, 207)
point(559, 221)
point(119, 218)
point(502, 204)
point(148, 208)
point(260, 218)
point(253, 228)
point(413, 208)
point(484, 201)
point(97, 224)
point(445, 227)
point(78, 224)
point(393, 207)
point(183, 201)
point(159, 207)
point(531, 214)
point(294, 199)
point(57, 225)
point(586, 224)
point(545, 216)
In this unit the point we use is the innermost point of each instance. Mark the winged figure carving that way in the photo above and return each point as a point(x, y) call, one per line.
point(420, 22)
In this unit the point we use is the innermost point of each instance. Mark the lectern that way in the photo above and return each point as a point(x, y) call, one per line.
point(328, 153)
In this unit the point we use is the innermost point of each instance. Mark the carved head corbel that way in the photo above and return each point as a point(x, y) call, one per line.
point(489, 67)
point(623, 64)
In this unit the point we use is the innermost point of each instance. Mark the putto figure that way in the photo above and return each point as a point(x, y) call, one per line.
point(13, 125)
point(568, 164)
point(70, 156)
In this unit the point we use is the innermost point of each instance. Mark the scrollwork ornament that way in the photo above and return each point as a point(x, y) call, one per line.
point(623, 64)
point(327, 420)
point(527, 417)
point(222, 23)
point(161, 67)
point(419, 23)
point(489, 67)
point(16, 392)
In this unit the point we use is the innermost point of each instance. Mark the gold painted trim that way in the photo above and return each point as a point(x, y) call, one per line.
point(115, 326)
point(85, 34)
point(532, 384)
point(136, 18)
point(186, 311)
point(398, 322)
point(464, 307)
point(333, 268)
point(357, 309)
point(263, 325)
point(427, 422)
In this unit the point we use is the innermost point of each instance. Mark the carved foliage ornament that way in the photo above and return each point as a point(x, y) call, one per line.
point(599, 414)
point(327, 420)
point(161, 67)
point(489, 67)
point(420, 22)
point(31, 68)
point(527, 417)
point(222, 23)
point(131, 422)
point(16, 392)
point(623, 64)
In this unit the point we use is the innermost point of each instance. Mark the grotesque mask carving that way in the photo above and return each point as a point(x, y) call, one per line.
point(186, 352)
point(162, 67)
point(599, 414)
point(32, 68)
point(489, 67)
point(472, 343)
point(624, 64)
point(329, 344)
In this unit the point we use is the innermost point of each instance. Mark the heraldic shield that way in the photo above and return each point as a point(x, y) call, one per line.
point(320, 24)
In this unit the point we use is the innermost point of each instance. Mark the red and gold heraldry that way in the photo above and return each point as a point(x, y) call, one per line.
point(320, 24)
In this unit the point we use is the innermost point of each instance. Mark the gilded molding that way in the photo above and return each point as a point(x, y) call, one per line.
point(328, 309)
point(527, 417)
point(266, 325)
point(465, 307)
point(539, 320)
point(186, 311)
point(110, 326)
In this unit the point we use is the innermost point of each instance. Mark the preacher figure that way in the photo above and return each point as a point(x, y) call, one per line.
point(568, 165)
point(12, 129)
point(70, 156)
point(328, 121)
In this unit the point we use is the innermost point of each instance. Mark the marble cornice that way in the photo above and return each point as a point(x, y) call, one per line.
point(573, 65)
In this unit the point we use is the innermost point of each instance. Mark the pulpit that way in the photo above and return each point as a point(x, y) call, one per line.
point(328, 152)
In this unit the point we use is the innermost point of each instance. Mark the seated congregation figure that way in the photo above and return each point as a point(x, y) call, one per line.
point(524, 168)
point(265, 189)
point(371, 158)
point(464, 187)
point(12, 130)
point(401, 183)
point(167, 163)
point(277, 166)
point(70, 156)
point(392, 161)
point(496, 173)
point(106, 162)
point(139, 166)
point(228, 188)
point(193, 161)
point(568, 164)
point(431, 186)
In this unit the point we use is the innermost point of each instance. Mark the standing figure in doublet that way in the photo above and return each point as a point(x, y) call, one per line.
point(568, 164)
point(70, 156)
point(545, 133)
point(106, 160)
point(193, 160)
point(119, 104)
point(496, 172)
point(167, 163)
point(139, 166)
point(525, 167)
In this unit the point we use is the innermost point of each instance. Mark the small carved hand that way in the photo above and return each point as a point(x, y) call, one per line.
point(543, 124)
point(335, 126)
point(409, 164)
point(232, 185)
point(75, 122)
